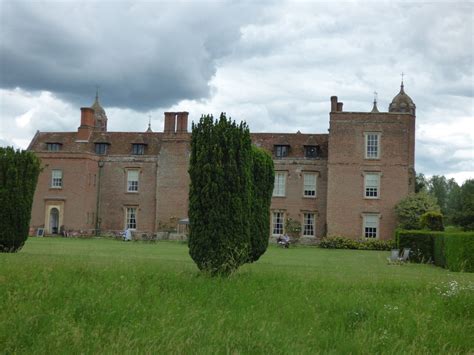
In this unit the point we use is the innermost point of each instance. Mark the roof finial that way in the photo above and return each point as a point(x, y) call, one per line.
point(402, 86)
point(149, 124)
point(97, 93)
point(375, 109)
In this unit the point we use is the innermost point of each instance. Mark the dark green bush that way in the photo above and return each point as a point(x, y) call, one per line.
point(420, 243)
point(459, 251)
point(439, 250)
point(19, 172)
point(360, 244)
point(220, 195)
point(432, 221)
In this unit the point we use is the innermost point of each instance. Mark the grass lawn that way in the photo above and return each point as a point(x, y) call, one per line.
point(89, 296)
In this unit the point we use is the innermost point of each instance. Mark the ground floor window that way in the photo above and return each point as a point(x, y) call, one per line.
point(131, 218)
point(371, 226)
point(308, 224)
point(277, 223)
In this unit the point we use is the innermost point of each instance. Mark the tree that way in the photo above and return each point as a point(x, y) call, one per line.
point(263, 178)
point(453, 202)
point(19, 172)
point(410, 209)
point(220, 195)
point(438, 187)
point(420, 182)
point(464, 217)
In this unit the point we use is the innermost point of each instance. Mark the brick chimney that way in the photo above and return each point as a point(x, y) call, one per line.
point(339, 106)
point(333, 103)
point(182, 122)
point(170, 122)
point(87, 124)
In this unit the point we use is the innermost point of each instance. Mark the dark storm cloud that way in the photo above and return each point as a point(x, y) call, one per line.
point(142, 55)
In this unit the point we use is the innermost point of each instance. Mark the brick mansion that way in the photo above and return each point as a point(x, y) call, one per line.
point(346, 182)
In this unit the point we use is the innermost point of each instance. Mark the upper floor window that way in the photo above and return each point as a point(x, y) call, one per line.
point(311, 151)
point(308, 224)
point(280, 183)
point(131, 218)
point(371, 225)
point(309, 185)
point(372, 145)
point(138, 149)
point(132, 180)
point(53, 147)
point(101, 148)
point(277, 223)
point(281, 151)
point(372, 185)
point(56, 179)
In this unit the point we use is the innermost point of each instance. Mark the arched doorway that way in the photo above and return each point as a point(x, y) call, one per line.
point(54, 220)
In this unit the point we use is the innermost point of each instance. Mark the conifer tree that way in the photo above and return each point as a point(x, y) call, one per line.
point(220, 195)
point(19, 172)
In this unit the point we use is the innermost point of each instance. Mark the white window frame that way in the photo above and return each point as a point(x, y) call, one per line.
point(371, 191)
point(371, 225)
point(309, 223)
point(133, 185)
point(369, 143)
point(56, 181)
point(279, 188)
point(278, 223)
point(131, 213)
point(310, 187)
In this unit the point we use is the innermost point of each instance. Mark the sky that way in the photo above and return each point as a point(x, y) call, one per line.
point(271, 64)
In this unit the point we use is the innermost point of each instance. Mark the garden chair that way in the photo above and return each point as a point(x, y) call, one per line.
point(405, 255)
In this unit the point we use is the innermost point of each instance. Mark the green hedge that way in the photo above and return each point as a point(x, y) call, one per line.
point(419, 241)
point(459, 251)
point(452, 250)
point(361, 244)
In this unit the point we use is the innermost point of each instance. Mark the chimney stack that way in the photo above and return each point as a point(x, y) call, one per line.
point(170, 122)
point(339, 106)
point(87, 124)
point(333, 103)
point(182, 122)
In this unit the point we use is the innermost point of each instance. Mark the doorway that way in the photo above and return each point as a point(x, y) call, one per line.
point(54, 220)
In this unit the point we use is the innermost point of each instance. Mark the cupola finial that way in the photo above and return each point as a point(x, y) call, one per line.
point(375, 109)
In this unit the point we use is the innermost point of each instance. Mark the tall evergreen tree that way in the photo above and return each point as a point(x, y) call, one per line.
point(220, 195)
point(438, 187)
point(263, 177)
point(464, 217)
point(19, 172)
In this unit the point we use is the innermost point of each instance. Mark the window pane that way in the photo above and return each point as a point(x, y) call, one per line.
point(131, 218)
point(279, 187)
point(277, 223)
point(371, 224)
point(372, 182)
point(132, 180)
point(56, 178)
point(309, 184)
point(308, 224)
point(372, 145)
point(281, 151)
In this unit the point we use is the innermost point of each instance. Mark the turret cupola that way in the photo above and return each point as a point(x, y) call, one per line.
point(402, 103)
point(99, 115)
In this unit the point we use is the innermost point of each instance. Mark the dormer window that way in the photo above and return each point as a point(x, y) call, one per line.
point(101, 148)
point(281, 151)
point(53, 147)
point(311, 151)
point(138, 149)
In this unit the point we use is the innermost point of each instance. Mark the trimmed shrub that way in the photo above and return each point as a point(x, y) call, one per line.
point(432, 221)
point(360, 244)
point(220, 195)
point(263, 178)
point(410, 209)
point(454, 251)
point(19, 172)
point(420, 243)
point(459, 251)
